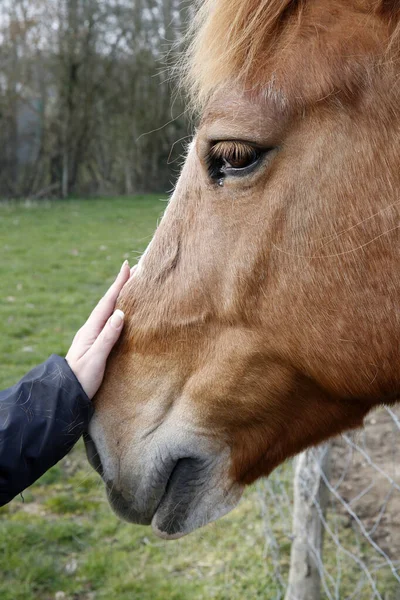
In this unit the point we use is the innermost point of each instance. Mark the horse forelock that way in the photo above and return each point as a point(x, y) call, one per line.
point(332, 44)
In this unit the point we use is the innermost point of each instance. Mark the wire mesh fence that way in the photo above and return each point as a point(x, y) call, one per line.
point(332, 517)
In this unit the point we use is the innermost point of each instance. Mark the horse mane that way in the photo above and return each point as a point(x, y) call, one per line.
point(230, 40)
point(227, 39)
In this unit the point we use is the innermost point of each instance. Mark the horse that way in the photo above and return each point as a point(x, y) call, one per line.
point(264, 316)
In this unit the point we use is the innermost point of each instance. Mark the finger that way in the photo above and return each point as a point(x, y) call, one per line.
point(105, 307)
point(102, 346)
point(133, 269)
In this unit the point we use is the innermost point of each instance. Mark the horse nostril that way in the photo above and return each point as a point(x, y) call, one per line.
point(92, 454)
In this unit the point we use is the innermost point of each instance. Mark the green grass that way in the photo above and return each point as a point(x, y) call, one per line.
point(39, 540)
point(56, 261)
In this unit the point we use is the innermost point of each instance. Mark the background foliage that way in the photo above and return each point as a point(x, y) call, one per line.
point(82, 85)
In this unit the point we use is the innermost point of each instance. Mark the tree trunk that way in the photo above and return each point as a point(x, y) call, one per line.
point(65, 173)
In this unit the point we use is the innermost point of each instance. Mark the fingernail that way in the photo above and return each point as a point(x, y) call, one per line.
point(117, 319)
point(124, 264)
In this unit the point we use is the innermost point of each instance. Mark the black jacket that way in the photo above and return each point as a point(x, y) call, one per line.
point(41, 418)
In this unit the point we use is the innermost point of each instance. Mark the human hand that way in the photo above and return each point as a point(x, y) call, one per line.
point(92, 344)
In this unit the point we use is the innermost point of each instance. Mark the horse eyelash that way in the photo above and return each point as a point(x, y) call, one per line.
point(231, 150)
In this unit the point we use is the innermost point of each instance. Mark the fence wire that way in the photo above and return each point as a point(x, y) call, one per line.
point(360, 555)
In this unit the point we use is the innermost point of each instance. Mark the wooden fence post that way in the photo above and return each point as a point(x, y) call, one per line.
point(310, 500)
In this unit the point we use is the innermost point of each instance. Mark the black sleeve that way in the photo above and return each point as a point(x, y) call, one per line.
point(41, 418)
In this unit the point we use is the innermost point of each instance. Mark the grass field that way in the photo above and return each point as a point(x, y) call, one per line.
point(56, 261)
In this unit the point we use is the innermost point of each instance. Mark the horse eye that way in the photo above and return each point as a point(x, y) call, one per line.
point(231, 158)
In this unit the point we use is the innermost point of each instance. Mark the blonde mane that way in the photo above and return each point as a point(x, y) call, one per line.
point(228, 37)
point(235, 40)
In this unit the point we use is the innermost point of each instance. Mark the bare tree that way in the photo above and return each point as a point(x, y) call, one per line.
point(82, 85)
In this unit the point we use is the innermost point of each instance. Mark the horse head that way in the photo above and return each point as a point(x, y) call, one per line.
point(264, 316)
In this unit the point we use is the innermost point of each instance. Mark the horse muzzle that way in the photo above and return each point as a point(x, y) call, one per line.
point(169, 488)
